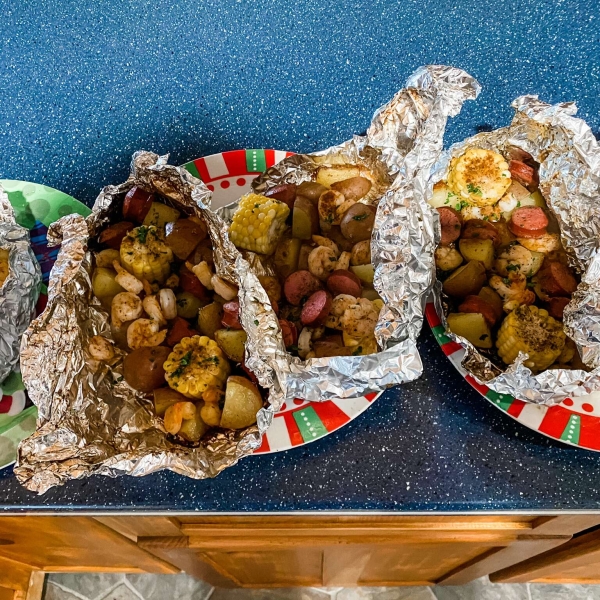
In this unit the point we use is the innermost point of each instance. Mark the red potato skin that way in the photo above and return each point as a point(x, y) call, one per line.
point(289, 332)
point(556, 307)
point(285, 192)
point(179, 329)
point(342, 281)
point(299, 285)
point(190, 283)
point(556, 279)
point(316, 308)
point(137, 204)
point(481, 230)
point(231, 315)
point(113, 236)
point(528, 222)
point(475, 304)
point(523, 174)
point(450, 223)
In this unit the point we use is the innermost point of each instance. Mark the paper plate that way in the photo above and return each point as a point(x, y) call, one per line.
point(574, 421)
point(228, 175)
point(36, 206)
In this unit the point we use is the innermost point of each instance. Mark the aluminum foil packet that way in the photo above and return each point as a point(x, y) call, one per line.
point(569, 157)
point(402, 143)
point(89, 420)
point(21, 288)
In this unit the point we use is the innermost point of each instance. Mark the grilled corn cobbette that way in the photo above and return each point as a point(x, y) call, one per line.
point(316, 237)
point(501, 260)
point(176, 320)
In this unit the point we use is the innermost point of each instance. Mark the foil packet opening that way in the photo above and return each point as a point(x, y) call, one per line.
point(569, 172)
point(402, 143)
point(90, 421)
point(20, 289)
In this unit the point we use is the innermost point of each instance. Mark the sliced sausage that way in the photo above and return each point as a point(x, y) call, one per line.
point(289, 332)
point(179, 330)
point(556, 307)
point(556, 279)
point(113, 236)
point(481, 230)
point(286, 192)
point(528, 221)
point(331, 345)
point(316, 309)
point(523, 174)
point(137, 204)
point(450, 223)
point(342, 281)
point(231, 315)
point(514, 153)
point(475, 304)
point(299, 285)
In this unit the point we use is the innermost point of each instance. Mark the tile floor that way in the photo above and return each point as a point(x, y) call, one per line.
point(99, 586)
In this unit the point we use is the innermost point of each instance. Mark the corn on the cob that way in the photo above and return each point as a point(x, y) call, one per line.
point(145, 254)
point(3, 265)
point(258, 223)
point(532, 330)
point(196, 364)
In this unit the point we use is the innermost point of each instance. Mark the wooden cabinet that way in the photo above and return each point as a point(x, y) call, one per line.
point(275, 551)
point(300, 550)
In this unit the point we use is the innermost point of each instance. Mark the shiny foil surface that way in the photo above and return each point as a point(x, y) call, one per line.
point(569, 158)
point(90, 421)
point(402, 143)
point(21, 288)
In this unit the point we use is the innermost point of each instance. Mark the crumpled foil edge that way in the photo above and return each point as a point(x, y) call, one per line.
point(569, 157)
point(21, 288)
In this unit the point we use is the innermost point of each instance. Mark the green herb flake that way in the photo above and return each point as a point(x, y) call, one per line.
point(473, 189)
point(256, 206)
point(519, 204)
point(256, 321)
point(142, 233)
point(506, 281)
point(293, 348)
point(513, 267)
point(357, 351)
point(360, 217)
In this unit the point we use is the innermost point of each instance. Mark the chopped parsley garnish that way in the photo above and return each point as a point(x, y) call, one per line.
point(293, 348)
point(512, 267)
point(256, 321)
point(449, 197)
point(142, 234)
point(506, 281)
point(519, 204)
point(256, 206)
point(360, 217)
point(462, 204)
point(183, 363)
point(473, 189)
point(357, 351)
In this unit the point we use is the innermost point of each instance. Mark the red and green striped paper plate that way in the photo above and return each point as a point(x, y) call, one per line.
point(575, 421)
point(228, 175)
point(36, 206)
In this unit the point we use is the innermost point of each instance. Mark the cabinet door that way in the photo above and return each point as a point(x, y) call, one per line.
point(274, 551)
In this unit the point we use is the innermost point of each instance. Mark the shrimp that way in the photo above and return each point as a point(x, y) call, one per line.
point(211, 413)
point(359, 319)
point(338, 307)
point(203, 272)
point(126, 280)
point(321, 262)
point(515, 259)
point(513, 290)
point(326, 242)
point(305, 342)
point(343, 261)
point(549, 242)
point(100, 348)
point(168, 303)
point(332, 206)
point(361, 253)
point(125, 306)
point(152, 307)
point(223, 288)
point(105, 258)
point(487, 213)
point(145, 332)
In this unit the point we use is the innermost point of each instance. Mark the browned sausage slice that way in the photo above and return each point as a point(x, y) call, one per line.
point(475, 304)
point(231, 315)
point(528, 222)
point(450, 221)
point(523, 174)
point(556, 307)
point(137, 204)
point(286, 192)
point(113, 236)
point(342, 281)
point(289, 332)
point(557, 279)
point(481, 230)
point(299, 285)
point(316, 309)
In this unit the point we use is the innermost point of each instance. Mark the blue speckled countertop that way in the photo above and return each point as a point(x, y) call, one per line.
point(83, 84)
